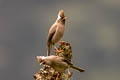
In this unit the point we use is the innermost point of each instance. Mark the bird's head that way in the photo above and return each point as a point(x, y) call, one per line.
point(61, 16)
point(41, 59)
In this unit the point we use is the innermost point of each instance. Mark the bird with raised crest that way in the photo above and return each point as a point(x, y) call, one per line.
point(56, 32)
point(58, 63)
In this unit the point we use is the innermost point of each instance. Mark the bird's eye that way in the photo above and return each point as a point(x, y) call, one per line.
point(43, 63)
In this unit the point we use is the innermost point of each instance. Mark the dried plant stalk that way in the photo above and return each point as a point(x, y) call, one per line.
point(48, 73)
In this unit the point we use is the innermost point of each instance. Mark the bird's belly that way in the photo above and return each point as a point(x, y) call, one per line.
point(58, 36)
point(60, 66)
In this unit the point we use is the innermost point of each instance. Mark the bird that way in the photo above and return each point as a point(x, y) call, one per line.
point(56, 32)
point(58, 63)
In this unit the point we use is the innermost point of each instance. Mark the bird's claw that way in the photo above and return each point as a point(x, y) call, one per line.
point(58, 51)
point(61, 42)
point(70, 74)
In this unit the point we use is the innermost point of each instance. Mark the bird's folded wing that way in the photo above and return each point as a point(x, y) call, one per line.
point(51, 33)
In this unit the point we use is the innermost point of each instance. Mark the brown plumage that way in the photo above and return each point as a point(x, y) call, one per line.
point(58, 63)
point(56, 31)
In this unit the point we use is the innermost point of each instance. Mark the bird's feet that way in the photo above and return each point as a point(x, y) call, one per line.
point(58, 76)
point(57, 51)
point(69, 74)
point(61, 42)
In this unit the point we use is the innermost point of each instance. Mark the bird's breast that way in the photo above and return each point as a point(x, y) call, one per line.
point(59, 33)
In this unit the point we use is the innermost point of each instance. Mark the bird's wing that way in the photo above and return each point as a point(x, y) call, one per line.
point(68, 62)
point(51, 33)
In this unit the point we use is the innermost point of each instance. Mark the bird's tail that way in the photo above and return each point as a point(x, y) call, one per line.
point(48, 50)
point(78, 68)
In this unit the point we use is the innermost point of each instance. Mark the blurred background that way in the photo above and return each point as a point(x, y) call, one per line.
point(92, 28)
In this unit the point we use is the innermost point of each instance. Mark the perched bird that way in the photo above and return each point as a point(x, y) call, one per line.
point(56, 31)
point(57, 63)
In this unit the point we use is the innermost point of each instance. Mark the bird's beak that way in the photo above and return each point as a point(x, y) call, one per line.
point(39, 59)
point(65, 17)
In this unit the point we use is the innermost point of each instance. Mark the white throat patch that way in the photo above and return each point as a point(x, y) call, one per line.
point(43, 57)
point(59, 17)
